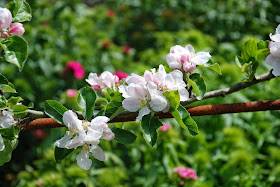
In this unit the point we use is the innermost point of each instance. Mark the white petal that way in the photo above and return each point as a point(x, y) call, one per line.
point(6, 121)
point(201, 58)
point(107, 133)
point(70, 119)
point(99, 120)
point(93, 79)
point(62, 142)
point(275, 48)
point(93, 136)
point(134, 78)
point(184, 94)
point(98, 153)
point(190, 48)
point(277, 30)
point(275, 63)
point(173, 60)
point(131, 104)
point(83, 160)
point(107, 79)
point(148, 76)
point(177, 49)
point(2, 145)
point(144, 111)
point(275, 38)
point(75, 142)
point(178, 77)
point(158, 103)
point(136, 90)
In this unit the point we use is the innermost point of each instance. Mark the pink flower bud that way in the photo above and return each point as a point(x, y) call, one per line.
point(5, 18)
point(127, 48)
point(17, 29)
point(71, 93)
point(188, 67)
point(5, 35)
point(165, 127)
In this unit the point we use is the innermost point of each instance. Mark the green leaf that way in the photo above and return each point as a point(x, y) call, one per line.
point(16, 51)
point(13, 101)
point(86, 100)
point(7, 88)
point(114, 108)
point(100, 113)
point(149, 125)
point(124, 136)
point(249, 52)
point(6, 154)
point(174, 99)
point(263, 44)
point(3, 80)
point(19, 109)
point(21, 10)
point(182, 116)
point(55, 110)
point(61, 153)
point(31, 105)
point(214, 66)
point(10, 133)
point(3, 102)
point(200, 84)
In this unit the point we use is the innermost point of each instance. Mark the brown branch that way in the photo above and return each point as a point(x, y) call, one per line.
point(234, 88)
point(194, 111)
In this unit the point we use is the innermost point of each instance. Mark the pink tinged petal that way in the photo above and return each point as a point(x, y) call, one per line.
point(93, 79)
point(61, 143)
point(134, 78)
point(178, 77)
point(107, 133)
point(177, 49)
point(174, 61)
point(165, 127)
point(169, 83)
point(5, 18)
point(99, 120)
point(190, 48)
point(107, 79)
point(83, 160)
point(2, 145)
point(70, 119)
point(148, 76)
point(189, 67)
point(158, 103)
point(144, 111)
point(135, 90)
point(131, 104)
point(6, 121)
point(72, 93)
point(167, 107)
point(275, 63)
point(201, 58)
point(17, 29)
point(98, 153)
point(275, 49)
point(161, 69)
point(184, 94)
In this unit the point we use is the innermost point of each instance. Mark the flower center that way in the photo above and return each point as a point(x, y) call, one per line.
point(142, 101)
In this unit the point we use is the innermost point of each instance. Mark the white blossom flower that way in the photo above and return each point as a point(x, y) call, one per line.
point(5, 18)
point(85, 134)
point(186, 58)
point(6, 121)
point(105, 80)
point(274, 58)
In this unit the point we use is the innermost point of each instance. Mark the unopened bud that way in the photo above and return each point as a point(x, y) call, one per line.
point(17, 29)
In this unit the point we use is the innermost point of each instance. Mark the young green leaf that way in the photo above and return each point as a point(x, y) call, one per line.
point(149, 125)
point(6, 154)
point(10, 133)
point(61, 153)
point(16, 51)
point(3, 80)
point(86, 100)
point(174, 98)
point(114, 107)
point(19, 109)
point(3, 102)
point(7, 88)
point(182, 116)
point(124, 136)
point(21, 10)
point(199, 81)
point(13, 101)
point(214, 66)
point(55, 110)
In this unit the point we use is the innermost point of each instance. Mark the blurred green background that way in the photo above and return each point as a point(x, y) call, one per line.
point(231, 150)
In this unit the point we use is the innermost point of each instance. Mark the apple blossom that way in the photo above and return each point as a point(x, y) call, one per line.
point(85, 134)
point(6, 121)
point(5, 18)
point(186, 173)
point(17, 29)
point(105, 80)
point(186, 58)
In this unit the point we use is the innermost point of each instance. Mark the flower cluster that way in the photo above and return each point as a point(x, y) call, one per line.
point(85, 134)
point(185, 58)
point(103, 81)
point(186, 173)
point(5, 22)
point(6, 121)
point(146, 93)
point(274, 58)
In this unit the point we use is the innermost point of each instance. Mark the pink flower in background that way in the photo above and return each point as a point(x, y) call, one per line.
point(17, 29)
point(186, 173)
point(72, 93)
point(77, 68)
point(106, 44)
point(127, 48)
point(165, 127)
point(121, 74)
point(111, 13)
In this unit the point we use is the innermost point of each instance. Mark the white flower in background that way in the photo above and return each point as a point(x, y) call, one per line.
point(6, 121)
point(274, 58)
point(5, 18)
point(86, 134)
point(105, 80)
point(186, 58)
